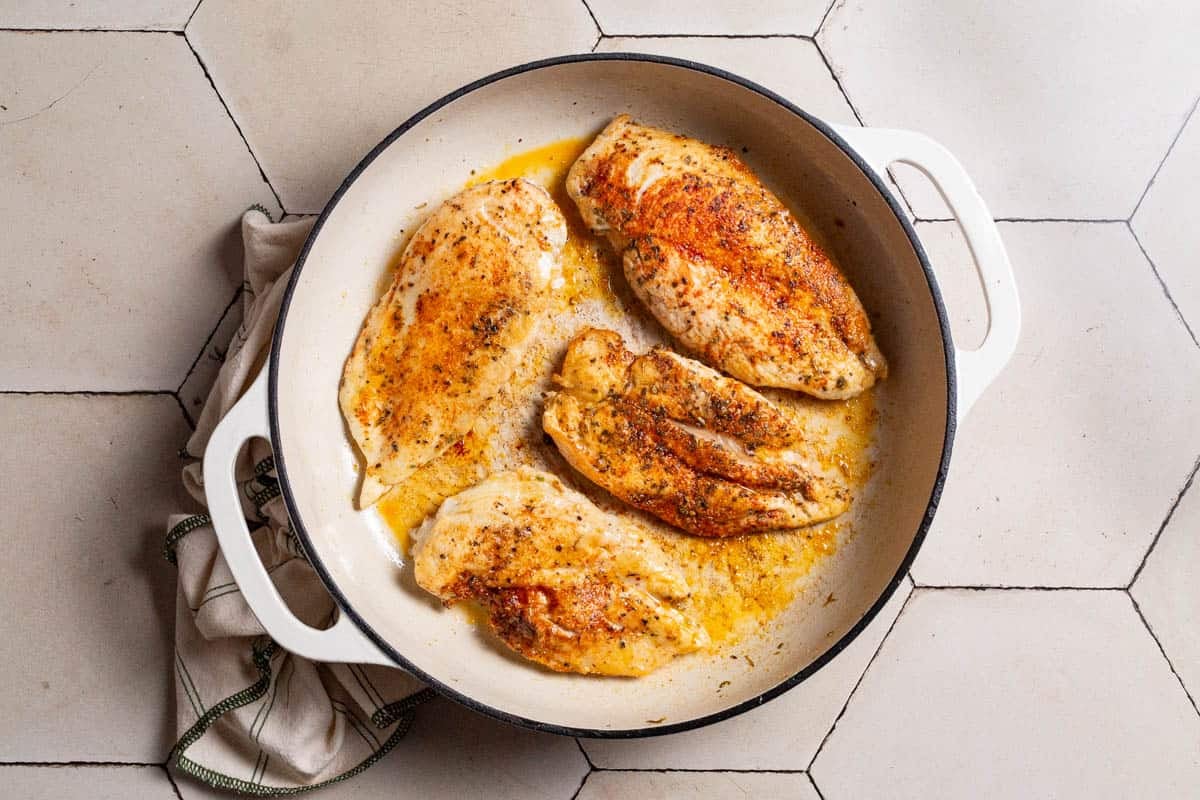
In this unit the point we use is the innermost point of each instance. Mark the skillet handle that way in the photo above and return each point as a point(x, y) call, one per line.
point(344, 641)
point(976, 369)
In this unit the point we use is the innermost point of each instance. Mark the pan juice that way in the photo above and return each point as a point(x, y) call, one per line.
point(738, 584)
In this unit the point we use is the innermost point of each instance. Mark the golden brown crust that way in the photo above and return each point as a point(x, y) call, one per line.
point(600, 618)
point(686, 391)
point(674, 438)
point(468, 295)
point(723, 264)
point(563, 583)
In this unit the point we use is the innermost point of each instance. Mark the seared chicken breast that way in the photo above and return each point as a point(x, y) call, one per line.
point(677, 439)
point(723, 264)
point(471, 288)
point(563, 583)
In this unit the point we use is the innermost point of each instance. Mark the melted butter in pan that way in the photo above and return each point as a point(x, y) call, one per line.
point(588, 261)
point(739, 583)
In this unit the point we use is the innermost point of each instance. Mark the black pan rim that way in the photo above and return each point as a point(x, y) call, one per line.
point(697, 722)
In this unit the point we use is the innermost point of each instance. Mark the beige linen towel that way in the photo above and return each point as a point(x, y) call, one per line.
point(250, 716)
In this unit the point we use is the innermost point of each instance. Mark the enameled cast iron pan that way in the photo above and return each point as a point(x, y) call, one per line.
point(830, 173)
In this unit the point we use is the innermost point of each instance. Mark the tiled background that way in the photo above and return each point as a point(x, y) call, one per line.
point(1049, 642)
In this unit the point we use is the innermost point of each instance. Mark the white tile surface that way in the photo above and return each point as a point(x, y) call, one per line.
point(1068, 464)
point(452, 753)
point(696, 786)
point(316, 87)
point(1166, 590)
point(1015, 694)
point(92, 783)
point(1055, 109)
point(123, 183)
point(141, 14)
point(783, 734)
point(1168, 223)
point(86, 484)
point(709, 17)
point(791, 67)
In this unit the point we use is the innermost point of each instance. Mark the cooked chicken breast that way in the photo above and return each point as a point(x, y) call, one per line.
point(563, 583)
point(673, 437)
point(723, 264)
point(471, 289)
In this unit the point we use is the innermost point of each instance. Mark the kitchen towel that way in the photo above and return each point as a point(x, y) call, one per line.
point(250, 716)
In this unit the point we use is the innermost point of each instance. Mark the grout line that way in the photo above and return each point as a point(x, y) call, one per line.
point(1146, 623)
point(582, 781)
point(837, 80)
point(595, 21)
point(1178, 134)
point(802, 37)
point(1081, 220)
point(1089, 220)
point(171, 779)
point(995, 588)
point(1167, 521)
point(172, 31)
point(245, 141)
point(817, 33)
point(583, 750)
point(194, 10)
point(186, 416)
point(845, 96)
point(89, 393)
point(841, 88)
point(208, 339)
point(816, 788)
point(858, 683)
point(81, 764)
point(900, 192)
point(1163, 284)
point(703, 771)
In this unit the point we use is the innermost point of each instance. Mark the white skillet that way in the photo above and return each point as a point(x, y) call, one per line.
point(832, 174)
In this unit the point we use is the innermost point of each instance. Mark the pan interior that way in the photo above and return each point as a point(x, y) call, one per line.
point(341, 278)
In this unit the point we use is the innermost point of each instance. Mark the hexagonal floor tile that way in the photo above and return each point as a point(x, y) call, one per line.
point(1015, 694)
point(1068, 464)
point(125, 179)
point(791, 67)
point(86, 484)
point(1166, 590)
point(315, 88)
point(737, 18)
point(94, 783)
point(696, 786)
point(453, 753)
point(783, 734)
point(159, 15)
point(1167, 222)
point(1056, 110)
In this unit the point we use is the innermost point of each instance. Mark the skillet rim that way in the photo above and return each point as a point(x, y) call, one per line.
point(697, 722)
